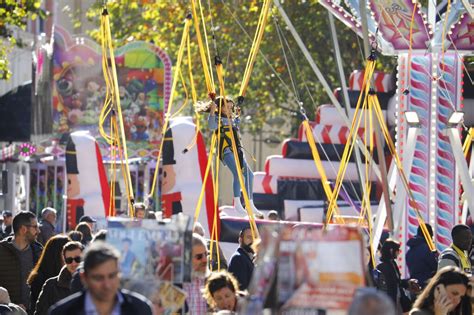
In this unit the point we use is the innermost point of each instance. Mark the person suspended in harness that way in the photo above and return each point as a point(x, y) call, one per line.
point(229, 127)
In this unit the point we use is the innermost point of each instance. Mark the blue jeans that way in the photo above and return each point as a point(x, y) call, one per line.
point(246, 171)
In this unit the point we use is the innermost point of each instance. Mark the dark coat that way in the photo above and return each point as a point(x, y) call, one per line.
point(422, 263)
point(47, 230)
point(35, 288)
point(10, 271)
point(54, 289)
point(133, 304)
point(393, 284)
point(241, 266)
point(76, 284)
point(5, 232)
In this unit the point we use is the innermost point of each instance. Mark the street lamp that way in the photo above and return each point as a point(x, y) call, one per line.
point(412, 118)
point(455, 119)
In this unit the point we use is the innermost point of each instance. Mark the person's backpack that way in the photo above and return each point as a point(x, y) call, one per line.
point(379, 280)
point(452, 257)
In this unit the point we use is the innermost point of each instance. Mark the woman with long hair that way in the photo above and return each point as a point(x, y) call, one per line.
point(59, 287)
point(48, 266)
point(447, 293)
point(229, 113)
point(221, 291)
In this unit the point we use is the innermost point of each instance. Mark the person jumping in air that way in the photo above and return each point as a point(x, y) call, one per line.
point(230, 122)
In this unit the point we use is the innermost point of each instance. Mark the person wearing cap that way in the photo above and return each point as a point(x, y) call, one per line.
point(89, 220)
point(47, 229)
point(6, 227)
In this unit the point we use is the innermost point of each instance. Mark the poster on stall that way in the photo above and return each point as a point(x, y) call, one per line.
point(315, 275)
point(155, 256)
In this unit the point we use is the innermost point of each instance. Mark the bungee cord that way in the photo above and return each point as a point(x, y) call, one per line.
point(112, 107)
point(170, 103)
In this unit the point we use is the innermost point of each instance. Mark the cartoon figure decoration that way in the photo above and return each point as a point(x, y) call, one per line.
point(144, 76)
point(75, 204)
point(88, 191)
point(171, 201)
point(183, 173)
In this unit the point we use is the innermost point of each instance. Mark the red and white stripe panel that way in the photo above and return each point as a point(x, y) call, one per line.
point(329, 115)
point(337, 134)
point(278, 166)
point(383, 81)
point(264, 184)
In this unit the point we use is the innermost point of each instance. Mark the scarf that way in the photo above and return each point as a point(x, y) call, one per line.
point(465, 263)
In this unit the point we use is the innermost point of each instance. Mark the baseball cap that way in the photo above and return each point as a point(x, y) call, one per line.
point(7, 213)
point(88, 219)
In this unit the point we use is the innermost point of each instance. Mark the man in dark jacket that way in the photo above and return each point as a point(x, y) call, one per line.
point(103, 294)
point(421, 261)
point(59, 287)
point(18, 255)
point(241, 263)
point(47, 229)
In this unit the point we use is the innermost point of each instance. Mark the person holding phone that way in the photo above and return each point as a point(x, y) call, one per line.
point(447, 293)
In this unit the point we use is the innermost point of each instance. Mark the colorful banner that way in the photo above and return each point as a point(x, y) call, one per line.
point(144, 78)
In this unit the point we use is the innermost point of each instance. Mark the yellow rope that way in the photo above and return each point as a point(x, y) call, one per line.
point(468, 142)
point(113, 169)
point(206, 175)
point(370, 67)
point(194, 98)
point(170, 103)
point(255, 46)
point(113, 89)
point(317, 162)
point(202, 51)
point(186, 96)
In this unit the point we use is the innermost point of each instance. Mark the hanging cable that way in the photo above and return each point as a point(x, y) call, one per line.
point(370, 67)
point(194, 98)
point(187, 24)
point(254, 49)
point(202, 51)
point(113, 101)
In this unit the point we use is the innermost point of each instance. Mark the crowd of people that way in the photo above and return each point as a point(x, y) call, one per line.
point(42, 272)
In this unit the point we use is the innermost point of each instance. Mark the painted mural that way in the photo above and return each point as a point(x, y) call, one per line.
point(144, 77)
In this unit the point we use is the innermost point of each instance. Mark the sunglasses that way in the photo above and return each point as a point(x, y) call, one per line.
point(200, 256)
point(69, 260)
